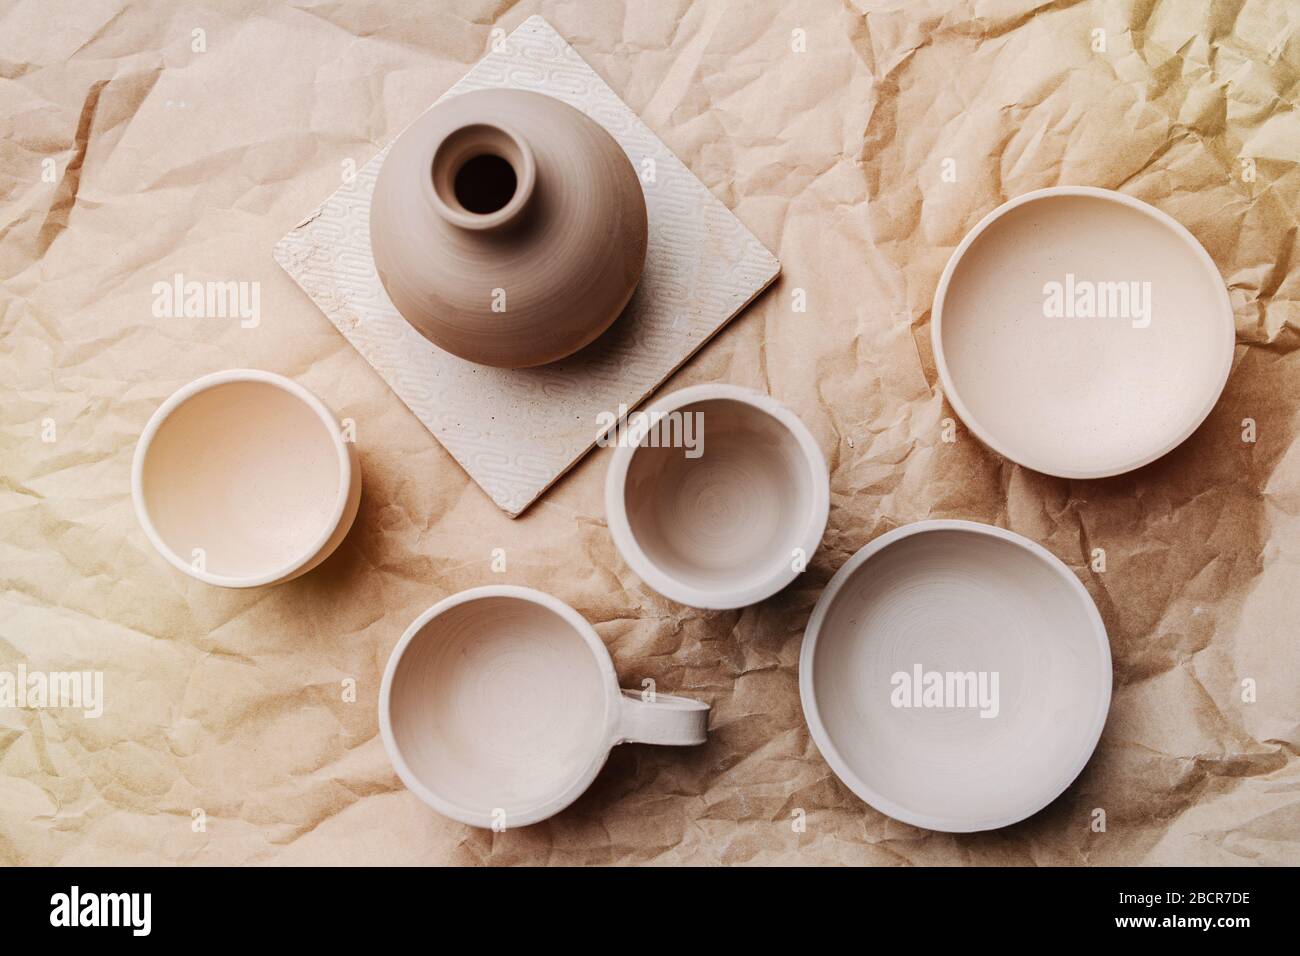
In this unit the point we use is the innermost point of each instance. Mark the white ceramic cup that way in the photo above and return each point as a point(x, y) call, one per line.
point(500, 704)
point(732, 525)
point(1023, 675)
point(242, 478)
point(1081, 332)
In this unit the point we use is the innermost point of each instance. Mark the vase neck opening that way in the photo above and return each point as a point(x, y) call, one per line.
point(482, 176)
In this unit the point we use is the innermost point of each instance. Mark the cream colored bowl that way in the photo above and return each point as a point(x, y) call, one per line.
point(242, 478)
point(730, 521)
point(956, 676)
point(1081, 332)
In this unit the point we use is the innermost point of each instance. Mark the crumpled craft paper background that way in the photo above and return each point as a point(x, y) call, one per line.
point(826, 129)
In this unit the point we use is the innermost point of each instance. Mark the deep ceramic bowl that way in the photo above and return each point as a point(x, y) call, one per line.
point(242, 478)
point(731, 525)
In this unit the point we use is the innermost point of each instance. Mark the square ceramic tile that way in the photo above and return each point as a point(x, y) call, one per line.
point(515, 431)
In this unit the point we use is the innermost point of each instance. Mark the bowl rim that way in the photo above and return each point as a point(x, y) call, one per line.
point(575, 788)
point(822, 738)
point(718, 599)
point(1165, 445)
point(217, 380)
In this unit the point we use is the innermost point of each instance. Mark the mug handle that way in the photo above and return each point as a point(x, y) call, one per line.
point(664, 719)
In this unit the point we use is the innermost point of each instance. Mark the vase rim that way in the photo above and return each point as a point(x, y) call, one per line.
point(456, 149)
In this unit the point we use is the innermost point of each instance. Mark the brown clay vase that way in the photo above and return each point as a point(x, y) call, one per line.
point(508, 228)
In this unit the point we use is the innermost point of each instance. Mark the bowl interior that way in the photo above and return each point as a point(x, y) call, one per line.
point(498, 703)
point(1084, 336)
point(245, 471)
point(727, 513)
point(1022, 677)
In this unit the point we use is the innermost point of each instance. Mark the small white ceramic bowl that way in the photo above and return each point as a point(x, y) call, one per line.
point(964, 601)
point(242, 478)
point(500, 704)
point(1081, 332)
point(733, 525)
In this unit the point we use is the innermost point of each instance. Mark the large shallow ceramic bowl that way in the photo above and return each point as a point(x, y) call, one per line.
point(955, 676)
point(508, 227)
point(1081, 332)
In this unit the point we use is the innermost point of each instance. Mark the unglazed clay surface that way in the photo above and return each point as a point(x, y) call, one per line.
point(245, 478)
point(508, 228)
point(498, 703)
point(725, 518)
point(956, 598)
point(732, 524)
point(1108, 387)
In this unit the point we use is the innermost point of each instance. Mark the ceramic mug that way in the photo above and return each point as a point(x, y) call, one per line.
point(956, 676)
point(716, 496)
point(243, 478)
point(500, 705)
